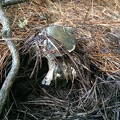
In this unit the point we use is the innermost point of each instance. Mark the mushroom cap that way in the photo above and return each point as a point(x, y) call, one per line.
point(54, 41)
point(62, 36)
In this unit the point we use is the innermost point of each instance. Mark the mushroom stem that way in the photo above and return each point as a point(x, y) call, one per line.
point(49, 77)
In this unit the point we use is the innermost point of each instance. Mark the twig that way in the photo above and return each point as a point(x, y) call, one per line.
point(11, 2)
point(6, 34)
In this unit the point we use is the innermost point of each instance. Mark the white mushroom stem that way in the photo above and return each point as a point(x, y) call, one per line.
point(49, 77)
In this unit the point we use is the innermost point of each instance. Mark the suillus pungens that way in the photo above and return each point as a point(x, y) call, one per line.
point(54, 41)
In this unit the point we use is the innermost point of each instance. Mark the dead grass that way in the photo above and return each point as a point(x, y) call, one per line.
point(77, 14)
point(93, 23)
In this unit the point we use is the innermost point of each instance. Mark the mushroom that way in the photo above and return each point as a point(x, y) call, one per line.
point(55, 40)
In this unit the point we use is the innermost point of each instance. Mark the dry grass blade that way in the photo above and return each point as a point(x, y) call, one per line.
point(97, 61)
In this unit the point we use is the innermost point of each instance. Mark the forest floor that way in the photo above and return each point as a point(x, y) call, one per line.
point(96, 26)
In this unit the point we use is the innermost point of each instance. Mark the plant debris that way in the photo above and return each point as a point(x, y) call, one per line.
point(96, 27)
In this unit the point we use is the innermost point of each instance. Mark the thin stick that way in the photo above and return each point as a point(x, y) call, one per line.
point(7, 35)
point(12, 2)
